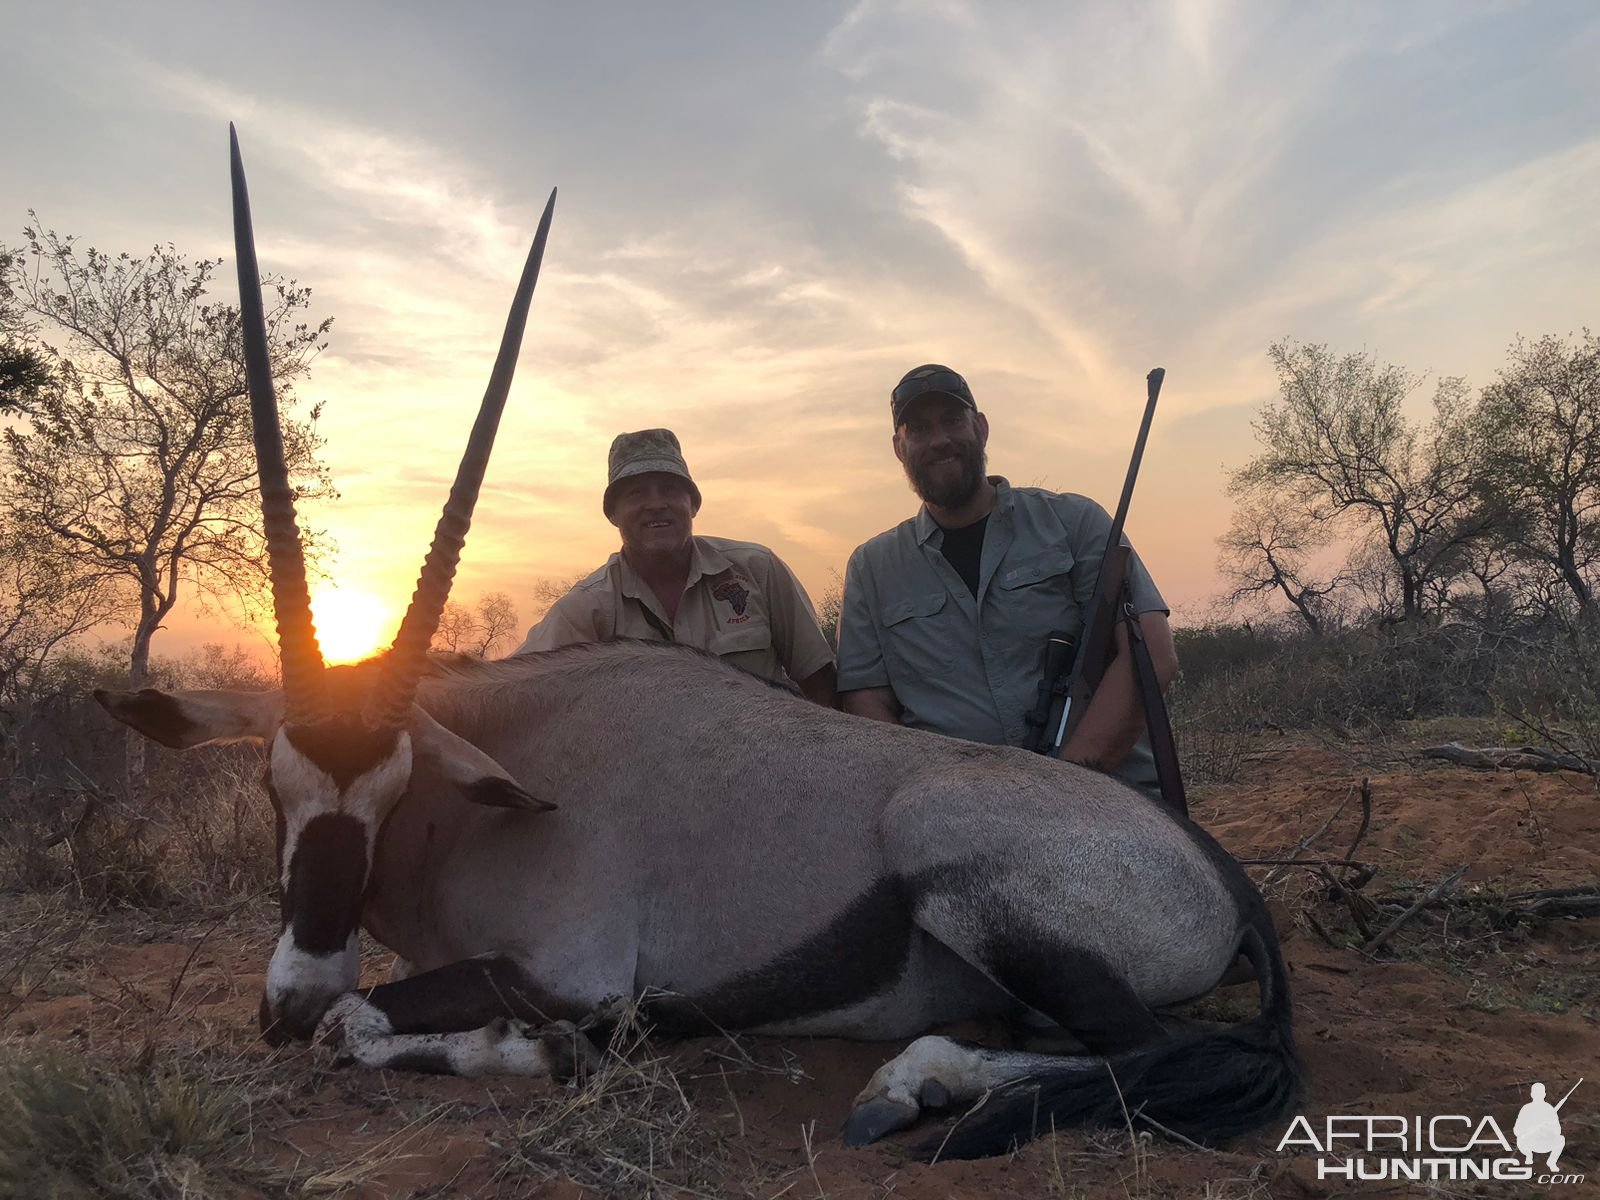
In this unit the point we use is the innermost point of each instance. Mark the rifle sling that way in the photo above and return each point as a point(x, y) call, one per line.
point(1156, 722)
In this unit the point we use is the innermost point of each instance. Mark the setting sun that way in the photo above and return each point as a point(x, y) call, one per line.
point(351, 624)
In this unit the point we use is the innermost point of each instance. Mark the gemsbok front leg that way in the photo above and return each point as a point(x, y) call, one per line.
point(480, 1016)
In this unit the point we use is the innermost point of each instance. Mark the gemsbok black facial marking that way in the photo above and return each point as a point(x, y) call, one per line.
point(344, 749)
point(327, 876)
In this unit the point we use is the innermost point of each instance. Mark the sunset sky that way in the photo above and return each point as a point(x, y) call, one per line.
point(769, 212)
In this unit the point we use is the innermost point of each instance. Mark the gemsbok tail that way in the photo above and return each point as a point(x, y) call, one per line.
point(1207, 1085)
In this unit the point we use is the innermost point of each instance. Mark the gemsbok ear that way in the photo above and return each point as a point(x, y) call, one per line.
point(458, 761)
point(184, 720)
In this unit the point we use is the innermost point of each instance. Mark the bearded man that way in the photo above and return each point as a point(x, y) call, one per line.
point(946, 616)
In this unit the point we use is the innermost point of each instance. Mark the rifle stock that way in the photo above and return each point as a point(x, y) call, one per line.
point(1063, 700)
point(1096, 648)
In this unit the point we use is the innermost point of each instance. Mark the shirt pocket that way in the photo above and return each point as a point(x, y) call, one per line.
point(1036, 596)
point(754, 634)
point(920, 633)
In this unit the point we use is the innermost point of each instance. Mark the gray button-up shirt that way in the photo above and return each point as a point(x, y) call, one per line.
point(966, 667)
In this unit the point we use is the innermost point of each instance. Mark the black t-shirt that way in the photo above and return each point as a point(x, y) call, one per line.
point(963, 550)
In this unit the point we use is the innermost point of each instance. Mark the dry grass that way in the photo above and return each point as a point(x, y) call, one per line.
point(39, 936)
point(629, 1129)
point(68, 1129)
point(194, 835)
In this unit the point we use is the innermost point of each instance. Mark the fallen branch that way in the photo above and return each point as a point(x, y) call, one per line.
point(1303, 862)
point(1511, 758)
point(1560, 893)
point(1564, 906)
point(1507, 910)
point(1306, 841)
point(1366, 819)
point(1443, 887)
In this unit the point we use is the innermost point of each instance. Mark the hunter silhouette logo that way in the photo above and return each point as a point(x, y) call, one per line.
point(1538, 1128)
point(1449, 1146)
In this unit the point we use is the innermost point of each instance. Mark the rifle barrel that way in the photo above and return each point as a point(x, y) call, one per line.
point(1153, 390)
point(1093, 647)
point(1570, 1090)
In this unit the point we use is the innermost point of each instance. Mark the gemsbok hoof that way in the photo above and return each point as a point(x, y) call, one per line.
point(877, 1118)
point(573, 1058)
point(350, 1023)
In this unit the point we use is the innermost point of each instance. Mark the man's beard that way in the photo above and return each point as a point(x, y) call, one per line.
point(950, 492)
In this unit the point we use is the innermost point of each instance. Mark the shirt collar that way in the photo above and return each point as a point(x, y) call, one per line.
point(926, 526)
point(704, 559)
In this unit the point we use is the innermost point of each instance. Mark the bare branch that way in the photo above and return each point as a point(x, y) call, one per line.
point(136, 465)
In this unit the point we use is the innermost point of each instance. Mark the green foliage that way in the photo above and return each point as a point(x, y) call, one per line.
point(1241, 679)
point(23, 374)
point(23, 371)
point(1550, 690)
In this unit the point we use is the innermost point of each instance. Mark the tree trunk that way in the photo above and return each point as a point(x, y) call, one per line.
point(1574, 579)
point(1410, 596)
point(1306, 615)
point(139, 677)
point(139, 663)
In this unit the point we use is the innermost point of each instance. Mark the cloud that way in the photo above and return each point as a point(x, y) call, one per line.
point(380, 175)
point(762, 229)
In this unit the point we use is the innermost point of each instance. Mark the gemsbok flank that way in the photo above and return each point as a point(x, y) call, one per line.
point(539, 837)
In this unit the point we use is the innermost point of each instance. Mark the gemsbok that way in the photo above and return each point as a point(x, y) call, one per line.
point(540, 837)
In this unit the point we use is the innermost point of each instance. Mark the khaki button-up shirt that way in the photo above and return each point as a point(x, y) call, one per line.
point(741, 602)
point(970, 667)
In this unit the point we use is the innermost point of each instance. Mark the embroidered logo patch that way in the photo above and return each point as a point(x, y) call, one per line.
point(733, 593)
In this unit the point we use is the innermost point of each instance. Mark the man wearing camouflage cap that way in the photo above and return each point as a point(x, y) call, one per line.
point(736, 599)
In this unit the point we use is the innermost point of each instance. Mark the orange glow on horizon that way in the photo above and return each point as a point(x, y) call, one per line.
point(351, 624)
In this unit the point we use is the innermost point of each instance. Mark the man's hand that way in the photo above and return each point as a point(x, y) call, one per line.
point(878, 703)
point(1114, 720)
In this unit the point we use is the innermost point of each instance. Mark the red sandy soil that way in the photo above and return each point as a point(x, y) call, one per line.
point(1441, 1021)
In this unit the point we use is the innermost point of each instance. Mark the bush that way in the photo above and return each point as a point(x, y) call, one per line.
point(1245, 679)
point(192, 828)
point(1239, 680)
point(68, 1130)
point(1550, 689)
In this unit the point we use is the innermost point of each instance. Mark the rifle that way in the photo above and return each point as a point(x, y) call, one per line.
point(1568, 1096)
point(1072, 673)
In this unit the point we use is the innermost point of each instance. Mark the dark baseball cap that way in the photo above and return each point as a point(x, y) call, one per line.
point(930, 379)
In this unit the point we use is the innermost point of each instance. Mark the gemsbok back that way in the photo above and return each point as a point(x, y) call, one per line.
point(539, 837)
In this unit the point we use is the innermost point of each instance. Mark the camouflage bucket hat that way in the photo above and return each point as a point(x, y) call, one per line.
point(641, 453)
